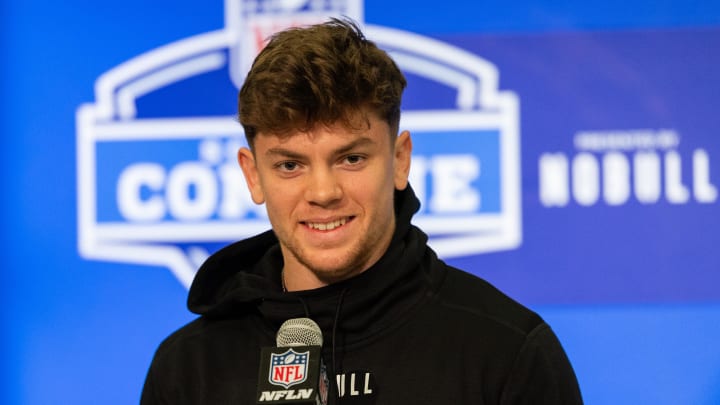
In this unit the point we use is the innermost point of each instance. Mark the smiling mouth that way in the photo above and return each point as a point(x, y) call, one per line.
point(328, 226)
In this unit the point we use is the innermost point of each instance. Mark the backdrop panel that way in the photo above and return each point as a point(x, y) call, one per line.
point(567, 152)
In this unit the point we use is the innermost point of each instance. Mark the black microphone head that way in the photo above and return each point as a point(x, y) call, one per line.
point(299, 332)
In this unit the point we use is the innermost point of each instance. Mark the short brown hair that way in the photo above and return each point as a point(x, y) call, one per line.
point(320, 74)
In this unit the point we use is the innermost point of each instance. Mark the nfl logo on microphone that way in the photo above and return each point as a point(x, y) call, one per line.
point(289, 368)
point(290, 376)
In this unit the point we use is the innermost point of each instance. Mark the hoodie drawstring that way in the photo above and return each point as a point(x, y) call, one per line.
point(305, 307)
point(333, 358)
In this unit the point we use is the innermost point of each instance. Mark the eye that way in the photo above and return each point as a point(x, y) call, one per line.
point(354, 159)
point(287, 166)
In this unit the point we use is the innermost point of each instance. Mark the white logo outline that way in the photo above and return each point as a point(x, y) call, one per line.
point(480, 105)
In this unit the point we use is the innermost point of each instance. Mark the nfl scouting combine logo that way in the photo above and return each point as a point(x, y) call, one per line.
point(162, 188)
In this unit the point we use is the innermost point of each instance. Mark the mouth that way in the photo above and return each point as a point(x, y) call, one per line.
point(328, 226)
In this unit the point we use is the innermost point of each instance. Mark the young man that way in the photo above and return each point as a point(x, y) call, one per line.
point(321, 108)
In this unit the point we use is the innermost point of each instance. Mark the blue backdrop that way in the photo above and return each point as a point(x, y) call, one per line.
point(608, 144)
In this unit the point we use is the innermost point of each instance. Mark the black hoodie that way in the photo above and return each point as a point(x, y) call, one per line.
point(409, 330)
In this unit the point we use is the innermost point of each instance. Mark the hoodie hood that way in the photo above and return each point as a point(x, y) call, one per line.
point(244, 278)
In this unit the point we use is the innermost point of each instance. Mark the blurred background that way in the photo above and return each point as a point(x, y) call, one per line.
point(587, 161)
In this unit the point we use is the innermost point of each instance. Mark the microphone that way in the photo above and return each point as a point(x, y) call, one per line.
point(293, 372)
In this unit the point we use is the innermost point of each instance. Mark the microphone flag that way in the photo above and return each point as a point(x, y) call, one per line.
point(289, 375)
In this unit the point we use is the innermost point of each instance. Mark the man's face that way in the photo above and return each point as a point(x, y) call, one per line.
point(329, 196)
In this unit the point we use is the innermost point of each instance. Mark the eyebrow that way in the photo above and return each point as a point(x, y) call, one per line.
point(280, 151)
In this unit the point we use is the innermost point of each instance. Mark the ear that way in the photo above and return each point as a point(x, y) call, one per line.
point(246, 159)
point(403, 150)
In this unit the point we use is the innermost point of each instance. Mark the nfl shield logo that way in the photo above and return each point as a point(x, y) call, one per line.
point(289, 368)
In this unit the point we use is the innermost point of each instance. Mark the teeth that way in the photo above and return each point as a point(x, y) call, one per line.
point(329, 226)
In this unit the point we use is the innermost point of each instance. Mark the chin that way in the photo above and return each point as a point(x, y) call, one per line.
point(333, 272)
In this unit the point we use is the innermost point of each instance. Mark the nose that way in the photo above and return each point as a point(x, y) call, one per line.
point(323, 187)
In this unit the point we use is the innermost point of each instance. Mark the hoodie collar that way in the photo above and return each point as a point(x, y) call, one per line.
point(246, 276)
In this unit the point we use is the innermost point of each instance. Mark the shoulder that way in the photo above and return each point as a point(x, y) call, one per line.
point(481, 302)
point(206, 335)
point(532, 361)
point(182, 336)
point(207, 358)
point(170, 351)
